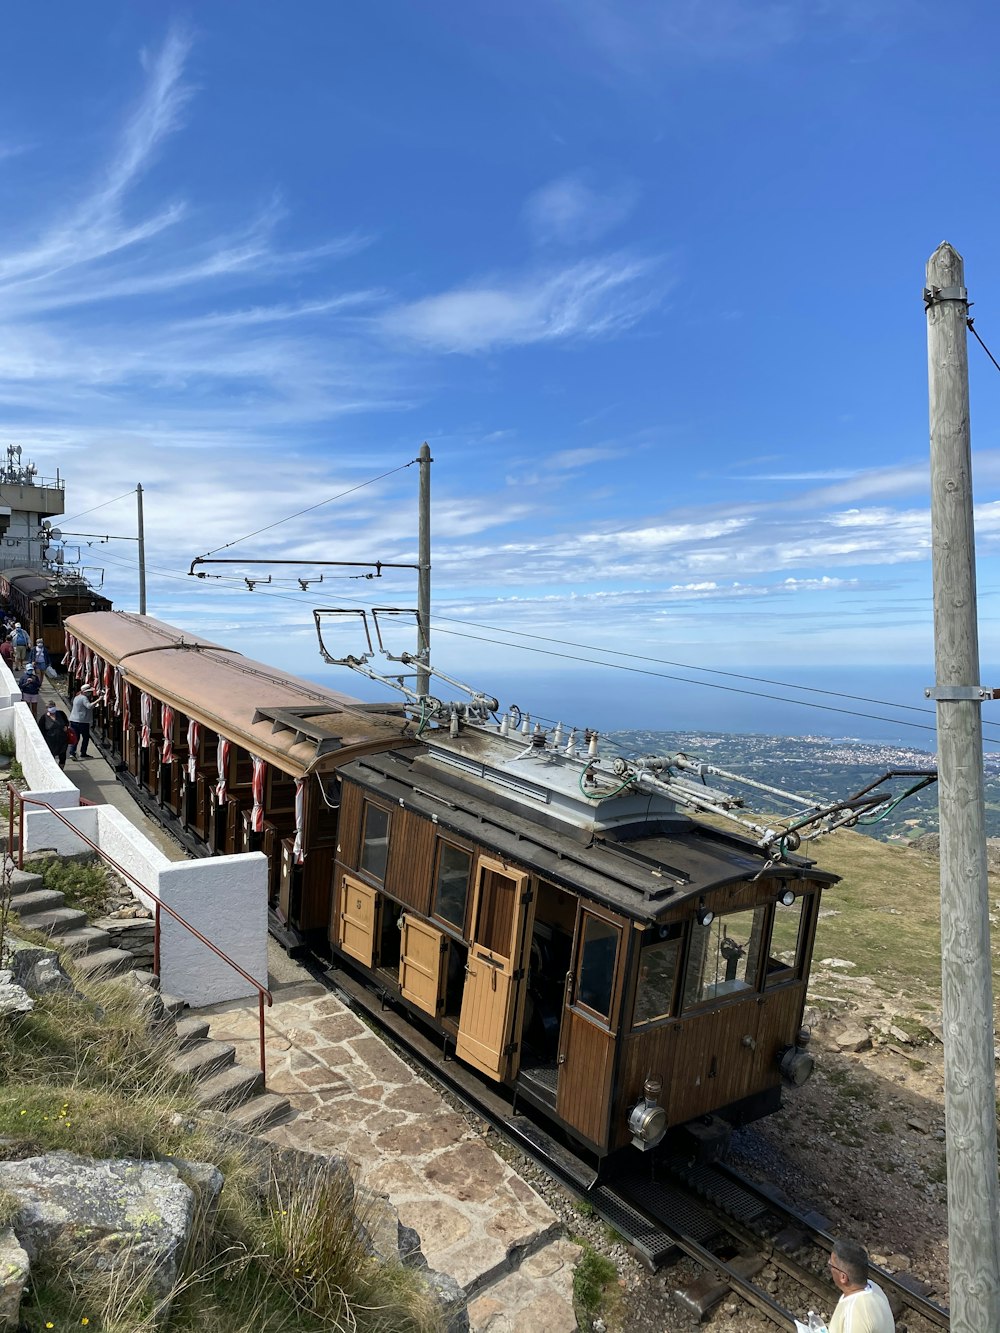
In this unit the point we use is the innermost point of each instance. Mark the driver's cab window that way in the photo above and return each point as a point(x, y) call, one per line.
point(724, 956)
point(784, 957)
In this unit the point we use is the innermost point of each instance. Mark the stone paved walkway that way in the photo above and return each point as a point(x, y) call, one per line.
point(353, 1096)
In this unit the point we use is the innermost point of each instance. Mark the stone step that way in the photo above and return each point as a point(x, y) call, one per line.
point(233, 1087)
point(83, 940)
point(104, 963)
point(172, 1003)
point(190, 1030)
point(37, 900)
point(54, 920)
point(260, 1112)
point(23, 881)
point(204, 1058)
point(147, 978)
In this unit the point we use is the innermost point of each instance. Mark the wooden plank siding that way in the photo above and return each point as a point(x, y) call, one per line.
point(349, 834)
point(410, 868)
point(585, 1076)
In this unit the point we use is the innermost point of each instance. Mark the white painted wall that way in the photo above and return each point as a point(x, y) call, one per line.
point(225, 897)
point(9, 693)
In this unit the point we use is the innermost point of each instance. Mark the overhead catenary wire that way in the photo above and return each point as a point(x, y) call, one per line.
point(309, 508)
point(103, 505)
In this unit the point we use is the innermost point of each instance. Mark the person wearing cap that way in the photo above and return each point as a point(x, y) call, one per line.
point(81, 715)
point(30, 684)
point(21, 642)
point(54, 725)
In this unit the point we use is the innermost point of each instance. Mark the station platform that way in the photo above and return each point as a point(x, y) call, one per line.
point(477, 1219)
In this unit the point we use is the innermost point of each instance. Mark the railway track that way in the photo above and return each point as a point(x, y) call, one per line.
point(731, 1227)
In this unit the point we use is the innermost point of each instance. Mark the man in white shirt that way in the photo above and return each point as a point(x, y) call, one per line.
point(862, 1307)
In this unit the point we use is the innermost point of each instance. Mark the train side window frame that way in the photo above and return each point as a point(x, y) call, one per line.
point(598, 962)
point(375, 864)
point(657, 940)
point(443, 846)
point(777, 972)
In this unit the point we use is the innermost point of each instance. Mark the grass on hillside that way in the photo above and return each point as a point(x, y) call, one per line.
point(889, 921)
point(86, 884)
point(92, 1077)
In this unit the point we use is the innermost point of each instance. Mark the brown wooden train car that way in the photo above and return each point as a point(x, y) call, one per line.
point(42, 601)
point(606, 958)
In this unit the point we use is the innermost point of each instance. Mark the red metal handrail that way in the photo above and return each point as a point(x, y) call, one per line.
point(23, 800)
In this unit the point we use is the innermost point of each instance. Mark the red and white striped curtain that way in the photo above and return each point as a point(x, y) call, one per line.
point(117, 696)
point(167, 723)
point(71, 651)
point(146, 713)
point(95, 672)
point(83, 665)
point(126, 711)
point(194, 740)
point(107, 681)
point(222, 764)
point(259, 774)
point(300, 821)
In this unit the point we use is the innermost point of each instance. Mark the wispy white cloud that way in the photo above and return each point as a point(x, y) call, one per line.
point(637, 38)
point(591, 299)
point(569, 211)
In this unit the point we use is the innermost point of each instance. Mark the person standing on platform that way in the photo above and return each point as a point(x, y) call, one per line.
point(30, 684)
point(40, 657)
point(54, 725)
point(7, 653)
point(863, 1306)
point(21, 641)
point(81, 714)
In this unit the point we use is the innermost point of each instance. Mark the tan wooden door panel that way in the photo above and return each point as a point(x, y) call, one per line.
point(490, 992)
point(714, 1061)
point(421, 950)
point(484, 1023)
point(358, 907)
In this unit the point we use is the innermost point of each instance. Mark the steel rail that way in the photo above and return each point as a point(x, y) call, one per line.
point(23, 800)
point(927, 1309)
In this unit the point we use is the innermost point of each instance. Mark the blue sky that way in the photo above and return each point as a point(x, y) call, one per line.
point(646, 276)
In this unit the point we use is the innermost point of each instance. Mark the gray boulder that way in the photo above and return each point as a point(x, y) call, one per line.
point(14, 1273)
point(34, 967)
point(14, 999)
point(125, 1219)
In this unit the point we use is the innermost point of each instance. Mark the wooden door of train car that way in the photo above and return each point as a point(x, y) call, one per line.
point(501, 909)
point(589, 1034)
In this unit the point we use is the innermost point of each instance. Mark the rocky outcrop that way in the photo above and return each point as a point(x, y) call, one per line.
point(14, 1272)
point(14, 999)
point(34, 967)
point(125, 1220)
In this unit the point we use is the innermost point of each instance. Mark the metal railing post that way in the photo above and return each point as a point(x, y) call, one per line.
point(20, 833)
point(10, 820)
point(156, 941)
point(260, 1013)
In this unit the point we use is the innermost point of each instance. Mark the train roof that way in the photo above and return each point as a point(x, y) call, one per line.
point(33, 582)
point(294, 724)
point(643, 870)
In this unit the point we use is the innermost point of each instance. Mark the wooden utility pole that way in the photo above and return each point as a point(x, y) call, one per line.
point(966, 982)
point(142, 551)
point(424, 570)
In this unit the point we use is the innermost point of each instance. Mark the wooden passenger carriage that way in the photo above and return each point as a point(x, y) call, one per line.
point(616, 964)
point(42, 601)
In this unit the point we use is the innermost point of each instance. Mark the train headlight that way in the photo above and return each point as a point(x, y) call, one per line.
point(647, 1120)
point(796, 1065)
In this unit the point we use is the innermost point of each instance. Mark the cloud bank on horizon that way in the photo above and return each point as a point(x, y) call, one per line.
point(647, 280)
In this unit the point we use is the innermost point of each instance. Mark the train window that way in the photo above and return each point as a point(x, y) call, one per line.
point(723, 957)
point(493, 928)
point(451, 885)
point(786, 937)
point(375, 841)
point(658, 961)
point(50, 614)
point(596, 965)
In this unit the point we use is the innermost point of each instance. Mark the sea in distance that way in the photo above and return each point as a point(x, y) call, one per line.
point(824, 732)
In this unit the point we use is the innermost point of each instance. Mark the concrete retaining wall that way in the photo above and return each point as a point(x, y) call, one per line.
point(225, 897)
